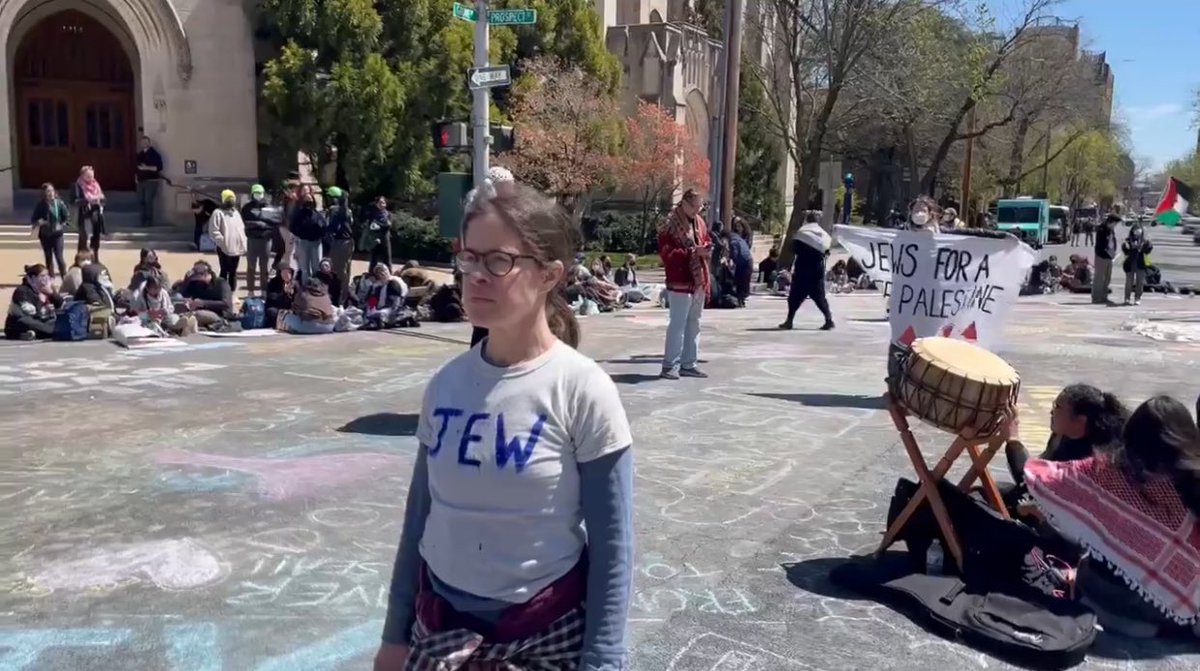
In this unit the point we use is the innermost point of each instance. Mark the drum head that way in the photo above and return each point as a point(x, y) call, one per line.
point(961, 358)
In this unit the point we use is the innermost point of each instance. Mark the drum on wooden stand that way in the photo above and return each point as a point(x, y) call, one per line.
point(956, 386)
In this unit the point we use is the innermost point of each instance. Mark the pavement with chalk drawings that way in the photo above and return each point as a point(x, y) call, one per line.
point(237, 507)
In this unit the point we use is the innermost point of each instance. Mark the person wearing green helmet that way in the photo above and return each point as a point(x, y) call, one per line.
point(259, 231)
point(340, 233)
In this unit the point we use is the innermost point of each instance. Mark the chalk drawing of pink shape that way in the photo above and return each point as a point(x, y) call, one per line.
point(281, 479)
point(176, 564)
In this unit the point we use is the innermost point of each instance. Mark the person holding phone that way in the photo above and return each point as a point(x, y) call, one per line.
point(686, 249)
point(50, 217)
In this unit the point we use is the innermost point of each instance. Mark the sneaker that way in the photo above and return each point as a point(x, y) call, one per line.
point(692, 372)
point(1137, 301)
point(786, 326)
point(1047, 574)
point(668, 374)
point(27, 335)
point(828, 326)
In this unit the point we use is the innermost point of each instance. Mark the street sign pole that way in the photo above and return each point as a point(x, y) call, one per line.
point(482, 97)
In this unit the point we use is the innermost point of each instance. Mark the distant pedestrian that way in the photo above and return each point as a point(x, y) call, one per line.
point(376, 238)
point(259, 231)
point(308, 225)
point(88, 199)
point(340, 234)
point(1106, 251)
point(686, 252)
point(1137, 248)
point(50, 219)
point(810, 247)
point(149, 180)
point(229, 234)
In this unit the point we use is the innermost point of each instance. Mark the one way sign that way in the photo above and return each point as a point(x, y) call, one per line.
point(490, 77)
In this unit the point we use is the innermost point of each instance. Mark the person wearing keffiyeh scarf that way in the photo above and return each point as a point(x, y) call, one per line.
point(88, 200)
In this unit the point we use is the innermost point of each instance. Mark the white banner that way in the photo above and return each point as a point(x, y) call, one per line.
point(955, 286)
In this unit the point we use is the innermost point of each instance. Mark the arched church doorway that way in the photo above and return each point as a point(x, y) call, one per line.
point(74, 90)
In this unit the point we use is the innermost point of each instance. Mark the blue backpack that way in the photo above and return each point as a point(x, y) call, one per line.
point(72, 323)
point(254, 314)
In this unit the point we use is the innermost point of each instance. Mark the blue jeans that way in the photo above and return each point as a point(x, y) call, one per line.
point(683, 329)
point(308, 258)
point(294, 324)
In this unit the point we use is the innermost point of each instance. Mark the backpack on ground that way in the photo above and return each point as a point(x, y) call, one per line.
point(254, 313)
point(72, 322)
point(101, 322)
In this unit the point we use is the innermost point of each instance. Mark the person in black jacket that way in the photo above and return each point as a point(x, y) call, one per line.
point(207, 296)
point(202, 209)
point(281, 292)
point(810, 246)
point(1106, 251)
point(259, 232)
point(1137, 248)
point(50, 217)
point(96, 289)
point(33, 310)
point(341, 239)
point(308, 225)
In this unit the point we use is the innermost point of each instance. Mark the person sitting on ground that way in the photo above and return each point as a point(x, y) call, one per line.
point(626, 275)
point(153, 306)
point(281, 293)
point(384, 299)
point(96, 289)
point(857, 275)
point(312, 310)
point(1077, 276)
point(34, 306)
point(838, 278)
point(148, 266)
point(1111, 504)
point(208, 297)
point(330, 279)
point(741, 262)
point(768, 267)
point(1084, 419)
point(74, 275)
point(419, 283)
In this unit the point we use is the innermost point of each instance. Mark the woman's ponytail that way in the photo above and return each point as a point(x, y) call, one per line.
point(561, 319)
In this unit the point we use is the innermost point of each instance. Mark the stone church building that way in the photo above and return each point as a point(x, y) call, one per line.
point(86, 77)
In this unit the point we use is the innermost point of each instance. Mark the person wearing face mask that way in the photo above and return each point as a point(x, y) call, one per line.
point(228, 232)
point(922, 216)
point(152, 305)
point(341, 240)
point(950, 220)
point(97, 287)
point(34, 307)
point(259, 231)
point(308, 224)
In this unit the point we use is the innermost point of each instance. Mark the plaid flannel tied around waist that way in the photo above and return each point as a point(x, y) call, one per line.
point(543, 634)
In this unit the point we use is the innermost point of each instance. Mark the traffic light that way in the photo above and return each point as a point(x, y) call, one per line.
point(451, 135)
point(502, 138)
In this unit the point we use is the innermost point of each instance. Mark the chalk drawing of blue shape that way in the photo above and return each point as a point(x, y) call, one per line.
point(20, 649)
point(331, 653)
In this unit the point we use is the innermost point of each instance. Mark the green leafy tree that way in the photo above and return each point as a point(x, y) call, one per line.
point(328, 85)
point(759, 158)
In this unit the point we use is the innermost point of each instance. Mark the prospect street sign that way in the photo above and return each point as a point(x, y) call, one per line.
point(490, 77)
point(497, 17)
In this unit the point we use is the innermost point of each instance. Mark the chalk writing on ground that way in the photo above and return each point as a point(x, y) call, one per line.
point(117, 377)
point(192, 646)
point(282, 479)
point(714, 652)
point(175, 564)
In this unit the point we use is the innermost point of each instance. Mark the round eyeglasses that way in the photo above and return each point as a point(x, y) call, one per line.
point(497, 263)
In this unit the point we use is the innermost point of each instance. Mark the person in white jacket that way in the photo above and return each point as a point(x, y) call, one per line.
point(228, 232)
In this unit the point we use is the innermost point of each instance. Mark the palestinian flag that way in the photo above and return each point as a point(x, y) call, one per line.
point(1174, 203)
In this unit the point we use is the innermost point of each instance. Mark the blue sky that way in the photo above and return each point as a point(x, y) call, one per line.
point(1152, 48)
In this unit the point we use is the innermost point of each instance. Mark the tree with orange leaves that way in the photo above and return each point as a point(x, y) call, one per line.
point(567, 127)
point(659, 158)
